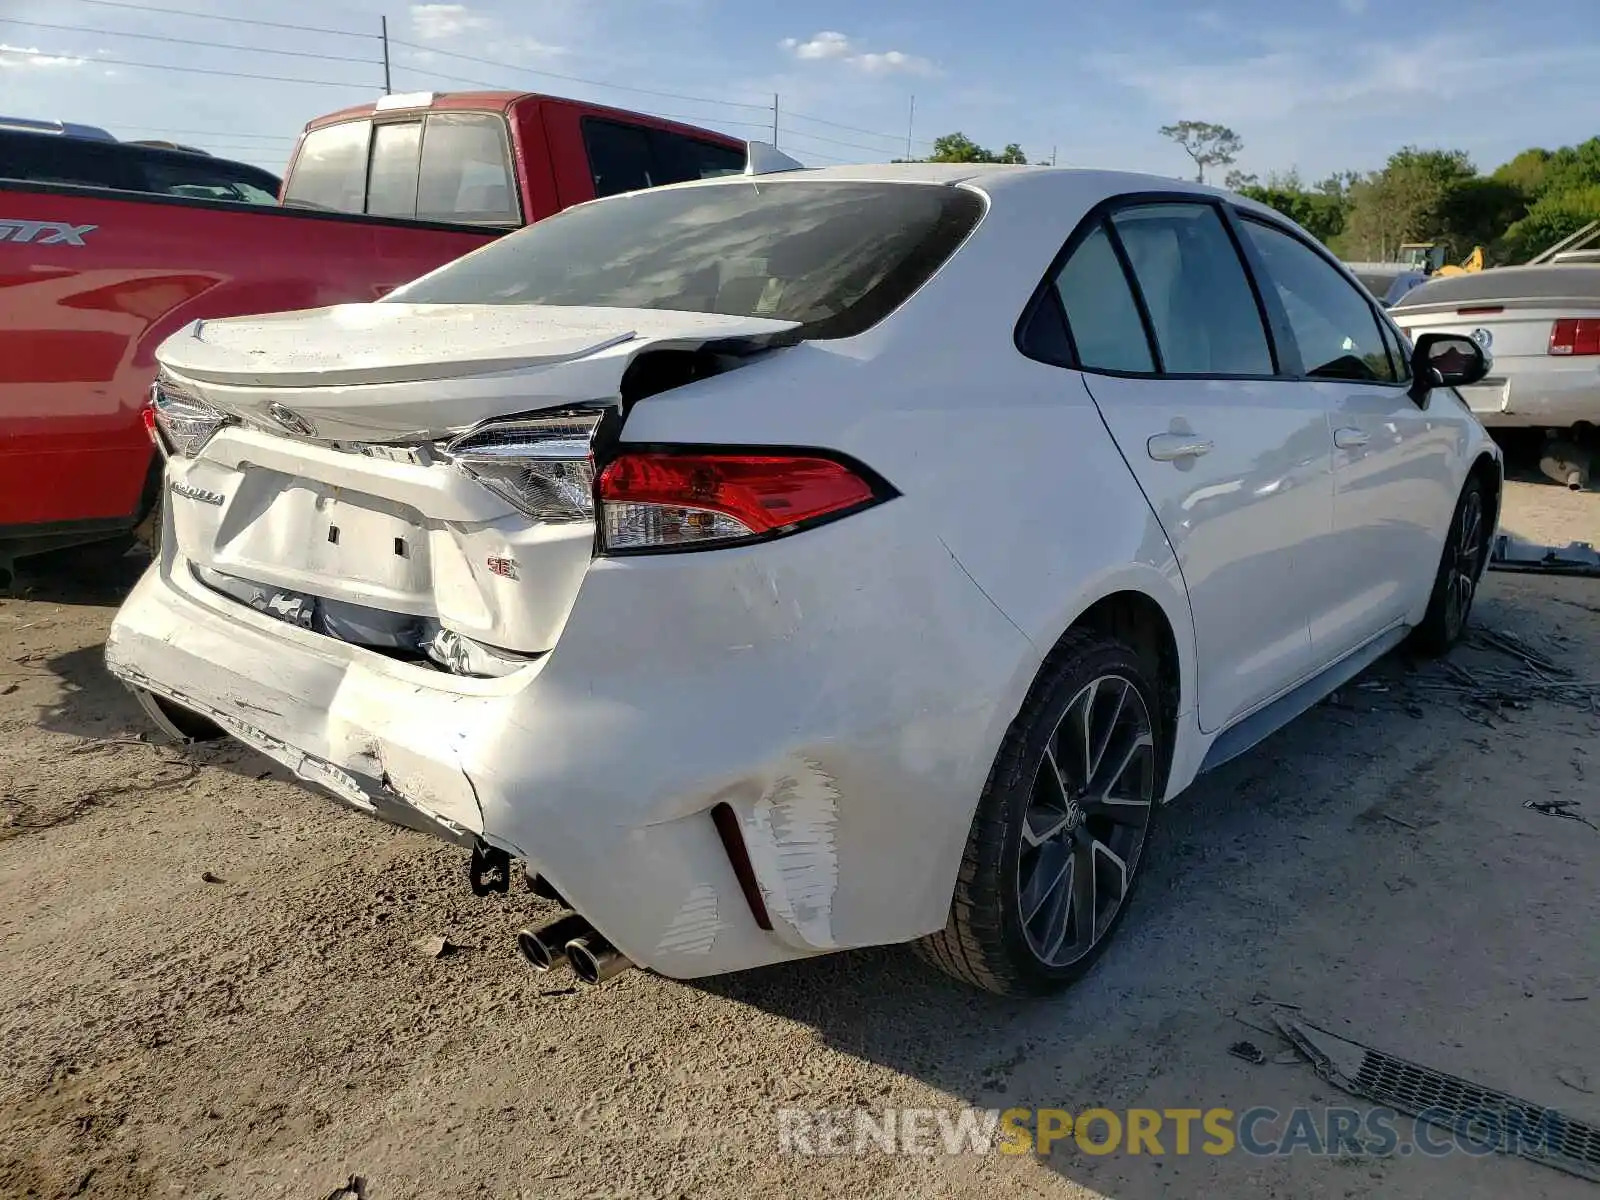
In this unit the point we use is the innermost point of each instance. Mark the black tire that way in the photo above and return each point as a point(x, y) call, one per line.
point(988, 941)
point(1461, 565)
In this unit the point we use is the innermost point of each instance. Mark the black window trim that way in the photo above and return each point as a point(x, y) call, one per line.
point(1101, 214)
point(1379, 317)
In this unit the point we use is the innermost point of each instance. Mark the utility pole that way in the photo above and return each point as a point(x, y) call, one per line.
point(774, 120)
point(911, 125)
point(387, 89)
point(1052, 156)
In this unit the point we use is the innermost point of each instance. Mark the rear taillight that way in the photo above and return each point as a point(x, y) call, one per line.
point(147, 417)
point(1575, 335)
point(694, 499)
point(183, 422)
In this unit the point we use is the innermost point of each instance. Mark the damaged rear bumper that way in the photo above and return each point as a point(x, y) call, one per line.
point(849, 730)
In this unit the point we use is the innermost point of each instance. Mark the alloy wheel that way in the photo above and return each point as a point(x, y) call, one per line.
point(1465, 549)
point(1086, 822)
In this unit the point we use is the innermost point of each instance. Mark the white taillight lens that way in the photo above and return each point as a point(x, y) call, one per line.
point(544, 465)
point(184, 421)
point(692, 499)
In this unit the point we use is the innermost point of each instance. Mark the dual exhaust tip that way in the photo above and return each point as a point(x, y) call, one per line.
point(594, 960)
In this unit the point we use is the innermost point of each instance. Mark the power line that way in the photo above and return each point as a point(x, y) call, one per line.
point(183, 12)
point(893, 137)
point(122, 62)
point(817, 137)
point(619, 87)
point(222, 133)
point(155, 37)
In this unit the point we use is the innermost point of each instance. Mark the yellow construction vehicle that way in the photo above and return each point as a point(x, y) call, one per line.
point(1429, 257)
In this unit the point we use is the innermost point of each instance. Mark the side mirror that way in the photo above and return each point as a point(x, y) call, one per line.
point(1446, 360)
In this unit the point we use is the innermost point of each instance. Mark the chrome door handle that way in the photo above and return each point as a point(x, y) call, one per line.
point(1349, 439)
point(1168, 447)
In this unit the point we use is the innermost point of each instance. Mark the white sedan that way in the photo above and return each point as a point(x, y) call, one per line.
point(832, 558)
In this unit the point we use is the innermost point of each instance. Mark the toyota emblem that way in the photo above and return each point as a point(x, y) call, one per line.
point(1483, 337)
point(291, 420)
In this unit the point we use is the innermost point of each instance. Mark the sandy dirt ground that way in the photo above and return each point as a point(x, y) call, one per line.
point(214, 983)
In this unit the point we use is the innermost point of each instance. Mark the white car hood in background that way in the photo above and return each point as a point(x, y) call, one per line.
point(391, 371)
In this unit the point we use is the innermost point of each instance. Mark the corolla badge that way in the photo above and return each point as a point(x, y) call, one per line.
point(1484, 338)
point(291, 420)
point(204, 495)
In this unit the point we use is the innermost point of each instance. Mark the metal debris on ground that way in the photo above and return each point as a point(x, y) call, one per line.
point(1511, 553)
point(1248, 1051)
point(1494, 1119)
point(435, 947)
point(1560, 808)
point(211, 877)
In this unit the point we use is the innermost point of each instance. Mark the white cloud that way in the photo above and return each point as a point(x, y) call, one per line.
point(831, 45)
point(441, 22)
point(828, 44)
point(29, 56)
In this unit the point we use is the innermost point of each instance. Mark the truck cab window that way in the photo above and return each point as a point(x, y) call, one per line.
point(392, 182)
point(680, 159)
point(619, 157)
point(331, 170)
point(466, 173)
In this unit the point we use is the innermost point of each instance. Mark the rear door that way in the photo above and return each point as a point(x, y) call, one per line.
point(1395, 463)
point(1232, 456)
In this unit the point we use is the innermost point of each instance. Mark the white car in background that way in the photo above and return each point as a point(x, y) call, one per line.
point(1541, 326)
point(834, 558)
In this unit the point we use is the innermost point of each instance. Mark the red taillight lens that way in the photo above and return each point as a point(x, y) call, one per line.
point(147, 415)
point(1575, 335)
point(672, 500)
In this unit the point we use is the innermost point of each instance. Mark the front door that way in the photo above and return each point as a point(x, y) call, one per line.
point(1393, 461)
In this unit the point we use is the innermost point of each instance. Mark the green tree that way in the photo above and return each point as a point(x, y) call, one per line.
point(1558, 215)
point(1209, 145)
point(959, 148)
point(1404, 202)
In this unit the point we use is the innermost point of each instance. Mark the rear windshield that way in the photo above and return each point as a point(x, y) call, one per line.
point(836, 257)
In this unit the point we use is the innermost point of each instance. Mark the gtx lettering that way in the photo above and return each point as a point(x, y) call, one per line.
point(45, 233)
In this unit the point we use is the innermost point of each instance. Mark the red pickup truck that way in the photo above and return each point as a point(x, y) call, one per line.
point(95, 270)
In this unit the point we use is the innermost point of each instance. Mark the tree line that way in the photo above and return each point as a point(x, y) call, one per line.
point(1418, 195)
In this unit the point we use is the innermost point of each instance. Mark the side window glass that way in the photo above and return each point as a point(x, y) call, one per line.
point(392, 183)
point(619, 157)
point(466, 171)
point(331, 171)
point(1399, 351)
point(1333, 324)
point(1101, 313)
point(201, 179)
point(1204, 314)
point(680, 159)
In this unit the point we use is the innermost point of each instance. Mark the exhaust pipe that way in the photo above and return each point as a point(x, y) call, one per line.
point(543, 948)
point(595, 960)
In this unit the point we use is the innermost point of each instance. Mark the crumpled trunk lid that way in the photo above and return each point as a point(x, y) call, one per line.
point(333, 503)
point(396, 372)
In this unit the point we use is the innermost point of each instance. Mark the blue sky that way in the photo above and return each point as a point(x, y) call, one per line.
point(1315, 86)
